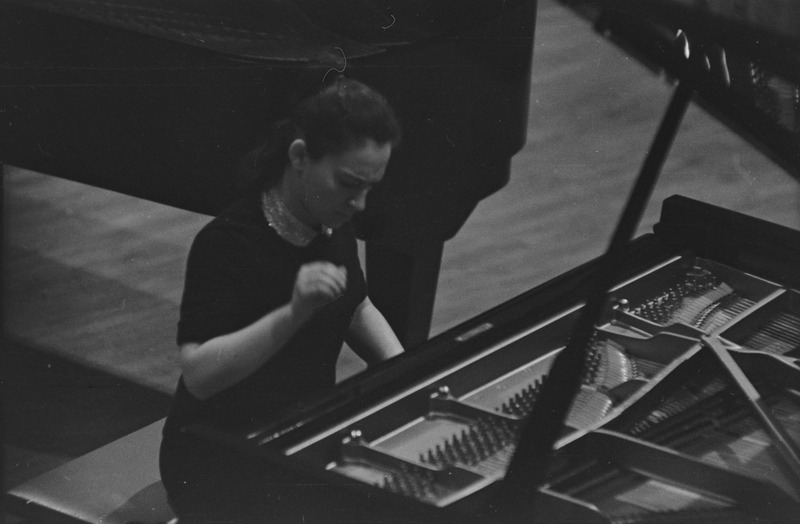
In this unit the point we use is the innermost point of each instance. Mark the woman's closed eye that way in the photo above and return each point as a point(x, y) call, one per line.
point(351, 182)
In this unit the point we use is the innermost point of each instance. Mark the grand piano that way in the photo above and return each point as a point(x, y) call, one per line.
point(657, 383)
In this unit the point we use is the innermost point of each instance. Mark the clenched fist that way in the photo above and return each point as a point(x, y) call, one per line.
point(317, 284)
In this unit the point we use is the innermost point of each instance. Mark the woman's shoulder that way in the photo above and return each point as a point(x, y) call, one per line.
point(239, 223)
point(242, 215)
point(245, 212)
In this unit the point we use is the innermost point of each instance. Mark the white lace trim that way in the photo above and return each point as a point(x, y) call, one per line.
point(279, 218)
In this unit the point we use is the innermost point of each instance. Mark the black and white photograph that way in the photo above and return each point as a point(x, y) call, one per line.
point(400, 262)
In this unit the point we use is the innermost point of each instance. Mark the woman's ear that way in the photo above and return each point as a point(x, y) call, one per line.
point(297, 153)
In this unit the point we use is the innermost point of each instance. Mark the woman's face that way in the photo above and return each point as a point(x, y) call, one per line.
point(334, 187)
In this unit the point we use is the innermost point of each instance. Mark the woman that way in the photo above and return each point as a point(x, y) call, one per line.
point(273, 288)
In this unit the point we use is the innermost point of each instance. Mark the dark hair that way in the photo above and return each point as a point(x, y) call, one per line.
point(340, 116)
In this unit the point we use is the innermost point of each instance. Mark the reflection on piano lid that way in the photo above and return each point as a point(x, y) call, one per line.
point(742, 58)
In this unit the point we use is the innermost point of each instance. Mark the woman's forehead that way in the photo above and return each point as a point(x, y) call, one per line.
point(361, 160)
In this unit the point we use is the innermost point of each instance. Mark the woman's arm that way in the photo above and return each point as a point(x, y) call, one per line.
point(370, 335)
point(223, 361)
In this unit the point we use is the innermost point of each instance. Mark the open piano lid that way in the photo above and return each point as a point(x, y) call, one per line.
point(749, 75)
point(293, 31)
point(149, 98)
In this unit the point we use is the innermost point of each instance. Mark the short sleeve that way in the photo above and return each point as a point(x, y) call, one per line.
point(211, 304)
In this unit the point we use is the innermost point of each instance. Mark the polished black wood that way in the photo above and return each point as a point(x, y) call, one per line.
point(161, 101)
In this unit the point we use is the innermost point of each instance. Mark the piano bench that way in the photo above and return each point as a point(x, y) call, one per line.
point(118, 483)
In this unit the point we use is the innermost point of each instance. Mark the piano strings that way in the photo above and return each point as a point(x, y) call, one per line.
point(464, 442)
point(701, 300)
point(779, 335)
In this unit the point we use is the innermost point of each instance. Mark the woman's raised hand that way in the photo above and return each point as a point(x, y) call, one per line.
point(317, 284)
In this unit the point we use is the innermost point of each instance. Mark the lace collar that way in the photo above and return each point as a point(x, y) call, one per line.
point(279, 218)
point(288, 227)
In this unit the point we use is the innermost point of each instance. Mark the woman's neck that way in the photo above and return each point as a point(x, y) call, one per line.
point(292, 194)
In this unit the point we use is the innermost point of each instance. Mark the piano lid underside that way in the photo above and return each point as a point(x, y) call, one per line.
point(741, 58)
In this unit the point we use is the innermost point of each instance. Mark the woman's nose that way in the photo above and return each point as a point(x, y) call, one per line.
point(359, 201)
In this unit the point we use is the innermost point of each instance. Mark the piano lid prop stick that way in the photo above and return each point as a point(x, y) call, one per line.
point(527, 471)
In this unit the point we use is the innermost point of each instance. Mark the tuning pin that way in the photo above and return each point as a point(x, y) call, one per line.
point(468, 440)
point(474, 449)
point(486, 435)
point(447, 453)
point(458, 449)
